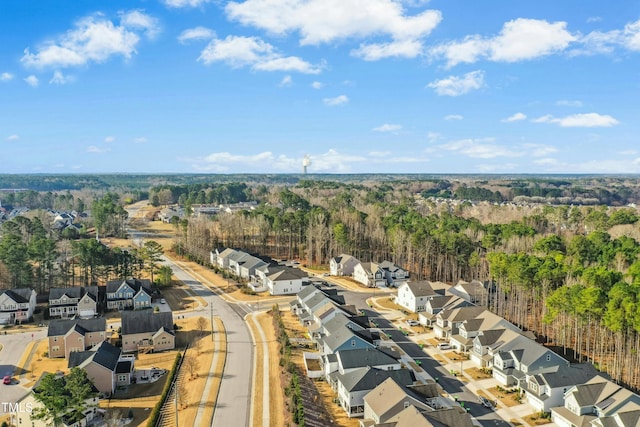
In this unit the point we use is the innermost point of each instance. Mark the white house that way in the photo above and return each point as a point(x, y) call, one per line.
point(342, 265)
point(414, 295)
point(286, 281)
point(369, 274)
point(17, 305)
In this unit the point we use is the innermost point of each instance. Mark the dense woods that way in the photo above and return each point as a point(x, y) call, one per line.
point(567, 268)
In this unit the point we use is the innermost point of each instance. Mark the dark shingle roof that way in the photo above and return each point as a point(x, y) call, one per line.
point(364, 357)
point(137, 322)
point(104, 354)
point(19, 295)
point(369, 378)
point(58, 327)
point(135, 284)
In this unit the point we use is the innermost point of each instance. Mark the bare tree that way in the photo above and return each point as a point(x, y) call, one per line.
point(112, 418)
point(191, 364)
point(201, 325)
point(183, 394)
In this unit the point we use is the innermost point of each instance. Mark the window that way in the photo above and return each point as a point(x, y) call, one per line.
point(353, 343)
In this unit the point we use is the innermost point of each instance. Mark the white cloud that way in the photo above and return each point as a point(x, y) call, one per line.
point(60, 79)
point(483, 148)
point(5, 77)
point(338, 100)
point(514, 118)
point(629, 152)
point(325, 21)
point(587, 120)
point(140, 140)
point(606, 42)
point(569, 103)
point(594, 19)
point(539, 150)
point(395, 49)
point(317, 85)
point(94, 39)
point(32, 81)
point(197, 33)
point(451, 117)
point(433, 136)
point(94, 149)
point(13, 137)
point(520, 39)
point(387, 128)
point(237, 51)
point(286, 81)
point(109, 139)
point(458, 85)
point(185, 3)
point(136, 19)
point(591, 166)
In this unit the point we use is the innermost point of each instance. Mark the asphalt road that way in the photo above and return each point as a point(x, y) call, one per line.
point(13, 346)
point(234, 400)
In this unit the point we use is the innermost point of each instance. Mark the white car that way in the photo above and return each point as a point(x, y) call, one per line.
point(444, 346)
point(163, 301)
point(412, 322)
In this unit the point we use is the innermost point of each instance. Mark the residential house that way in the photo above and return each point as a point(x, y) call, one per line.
point(448, 321)
point(129, 294)
point(473, 291)
point(488, 342)
point(28, 403)
point(102, 365)
point(16, 305)
point(546, 390)
point(285, 281)
point(354, 385)
point(525, 356)
point(448, 417)
point(69, 335)
point(393, 274)
point(145, 331)
point(436, 304)
point(414, 295)
point(76, 301)
point(595, 401)
point(388, 399)
point(342, 265)
point(343, 338)
point(220, 257)
point(471, 328)
point(369, 274)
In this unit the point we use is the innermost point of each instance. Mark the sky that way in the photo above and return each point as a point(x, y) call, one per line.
point(358, 86)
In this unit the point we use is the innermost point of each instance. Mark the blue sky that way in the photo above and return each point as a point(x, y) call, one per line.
point(360, 86)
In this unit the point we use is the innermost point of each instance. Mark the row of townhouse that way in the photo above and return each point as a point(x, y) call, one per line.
point(370, 380)
point(370, 274)
point(263, 274)
point(574, 394)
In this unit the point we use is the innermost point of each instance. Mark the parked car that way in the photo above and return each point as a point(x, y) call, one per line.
point(444, 346)
point(6, 380)
point(412, 322)
point(486, 402)
point(163, 301)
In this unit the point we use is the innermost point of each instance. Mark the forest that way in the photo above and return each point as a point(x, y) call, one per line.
point(569, 272)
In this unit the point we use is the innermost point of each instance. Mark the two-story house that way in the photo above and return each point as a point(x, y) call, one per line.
point(546, 390)
point(487, 342)
point(16, 305)
point(393, 274)
point(369, 274)
point(106, 367)
point(145, 331)
point(69, 335)
point(129, 294)
point(469, 329)
point(473, 291)
point(525, 357)
point(414, 295)
point(435, 304)
point(342, 265)
point(596, 403)
point(448, 321)
point(76, 301)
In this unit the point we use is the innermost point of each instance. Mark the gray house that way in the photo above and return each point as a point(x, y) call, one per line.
point(129, 294)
